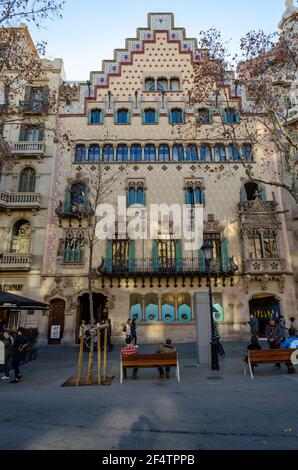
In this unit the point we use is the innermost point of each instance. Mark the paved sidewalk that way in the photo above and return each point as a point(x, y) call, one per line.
point(206, 410)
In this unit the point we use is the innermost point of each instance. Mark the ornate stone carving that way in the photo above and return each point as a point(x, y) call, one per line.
point(21, 241)
point(71, 302)
point(281, 284)
point(68, 282)
point(247, 282)
point(264, 282)
point(212, 225)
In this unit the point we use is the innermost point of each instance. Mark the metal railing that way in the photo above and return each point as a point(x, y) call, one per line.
point(34, 106)
point(177, 266)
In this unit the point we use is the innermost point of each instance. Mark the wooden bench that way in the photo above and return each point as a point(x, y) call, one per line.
point(270, 356)
point(142, 361)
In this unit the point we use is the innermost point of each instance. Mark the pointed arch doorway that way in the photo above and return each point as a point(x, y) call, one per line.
point(264, 307)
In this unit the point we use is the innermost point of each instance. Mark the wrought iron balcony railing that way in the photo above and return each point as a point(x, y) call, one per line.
point(34, 107)
point(74, 211)
point(248, 207)
point(139, 266)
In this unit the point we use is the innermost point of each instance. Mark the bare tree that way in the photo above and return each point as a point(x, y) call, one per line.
point(258, 82)
point(22, 63)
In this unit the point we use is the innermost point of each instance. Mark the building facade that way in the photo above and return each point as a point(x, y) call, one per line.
point(130, 127)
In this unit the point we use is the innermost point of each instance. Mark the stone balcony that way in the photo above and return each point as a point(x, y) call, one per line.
point(264, 266)
point(29, 149)
point(15, 262)
point(18, 201)
point(248, 207)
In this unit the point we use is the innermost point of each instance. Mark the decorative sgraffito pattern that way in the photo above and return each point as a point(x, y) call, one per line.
point(156, 23)
point(51, 238)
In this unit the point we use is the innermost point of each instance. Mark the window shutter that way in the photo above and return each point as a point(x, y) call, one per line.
point(115, 117)
point(108, 260)
point(28, 93)
point(156, 117)
point(129, 117)
point(224, 255)
point(202, 262)
point(127, 197)
point(211, 116)
point(170, 116)
point(262, 193)
point(154, 255)
point(67, 201)
point(143, 116)
point(22, 134)
point(89, 117)
point(41, 132)
point(186, 194)
point(237, 115)
point(203, 197)
point(243, 194)
point(144, 197)
point(179, 256)
point(223, 115)
point(132, 256)
point(183, 117)
point(46, 91)
point(85, 199)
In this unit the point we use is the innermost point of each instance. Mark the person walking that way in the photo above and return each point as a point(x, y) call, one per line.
point(127, 329)
point(273, 334)
point(128, 350)
point(8, 343)
point(110, 346)
point(18, 353)
point(254, 325)
point(165, 348)
point(133, 329)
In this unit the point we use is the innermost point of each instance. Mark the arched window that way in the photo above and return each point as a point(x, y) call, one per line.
point(168, 308)
point(205, 153)
point(136, 196)
point(176, 116)
point(194, 196)
point(231, 116)
point(20, 239)
point(136, 153)
point(162, 84)
point(233, 152)
point(136, 306)
point(122, 153)
point(95, 116)
point(108, 153)
point(149, 116)
point(77, 194)
point(252, 191)
point(149, 153)
point(149, 84)
point(219, 153)
point(80, 153)
point(27, 181)
point(151, 307)
point(184, 308)
point(175, 84)
point(164, 153)
point(93, 153)
point(191, 152)
point(178, 153)
point(123, 116)
point(203, 116)
point(246, 152)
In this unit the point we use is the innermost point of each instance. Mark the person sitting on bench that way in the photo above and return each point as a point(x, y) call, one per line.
point(290, 343)
point(128, 350)
point(253, 346)
point(165, 348)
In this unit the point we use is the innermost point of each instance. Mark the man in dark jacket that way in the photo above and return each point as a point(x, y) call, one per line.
point(165, 348)
point(18, 354)
point(274, 335)
point(8, 343)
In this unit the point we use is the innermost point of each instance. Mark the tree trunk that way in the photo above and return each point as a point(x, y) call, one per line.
point(80, 360)
point(92, 330)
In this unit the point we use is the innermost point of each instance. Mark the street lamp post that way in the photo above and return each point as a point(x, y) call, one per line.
point(208, 252)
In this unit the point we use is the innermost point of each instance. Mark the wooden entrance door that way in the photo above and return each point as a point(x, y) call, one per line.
point(56, 321)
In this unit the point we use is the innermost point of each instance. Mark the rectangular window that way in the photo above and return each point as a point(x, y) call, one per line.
point(167, 253)
point(119, 251)
point(214, 238)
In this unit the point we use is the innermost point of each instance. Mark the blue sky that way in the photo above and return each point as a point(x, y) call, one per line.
point(91, 29)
